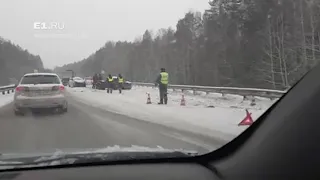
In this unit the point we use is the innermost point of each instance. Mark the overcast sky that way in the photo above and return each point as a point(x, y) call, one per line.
point(85, 25)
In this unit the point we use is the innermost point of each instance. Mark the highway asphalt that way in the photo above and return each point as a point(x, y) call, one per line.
point(84, 126)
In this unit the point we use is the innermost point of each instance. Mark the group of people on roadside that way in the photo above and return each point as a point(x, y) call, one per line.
point(111, 81)
point(162, 82)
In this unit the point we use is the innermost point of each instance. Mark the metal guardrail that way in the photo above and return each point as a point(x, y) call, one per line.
point(8, 89)
point(245, 92)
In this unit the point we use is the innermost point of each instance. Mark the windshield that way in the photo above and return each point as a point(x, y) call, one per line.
point(40, 79)
point(182, 75)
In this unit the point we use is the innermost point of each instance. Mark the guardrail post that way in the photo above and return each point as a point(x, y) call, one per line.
point(12, 90)
point(194, 92)
point(3, 92)
point(8, 92)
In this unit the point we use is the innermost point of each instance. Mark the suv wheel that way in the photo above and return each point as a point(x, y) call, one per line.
point(64, 108)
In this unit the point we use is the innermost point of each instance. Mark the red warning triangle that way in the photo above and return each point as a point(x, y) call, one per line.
point(247, 121)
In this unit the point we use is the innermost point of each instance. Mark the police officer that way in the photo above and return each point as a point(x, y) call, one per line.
point(120, 83)
point(162, 81)
point(110, 84)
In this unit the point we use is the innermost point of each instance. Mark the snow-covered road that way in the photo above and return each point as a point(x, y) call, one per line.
point(204, 124)
point(207, 114)
point(210, 115)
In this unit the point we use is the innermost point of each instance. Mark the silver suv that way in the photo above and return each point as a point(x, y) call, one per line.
point(39, 90)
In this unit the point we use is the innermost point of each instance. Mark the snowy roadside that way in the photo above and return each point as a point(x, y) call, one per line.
point(208, 100)
point(6, 99)
point(219, 122)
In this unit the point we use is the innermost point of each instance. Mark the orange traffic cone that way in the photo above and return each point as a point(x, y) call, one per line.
point(247, 121)
point(183, 101)
point(148, 99)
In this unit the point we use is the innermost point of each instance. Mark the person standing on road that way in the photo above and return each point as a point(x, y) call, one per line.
point(120, 83)
point(99, 81)
point(162, 81)
point(100, 77)
point(95, 81)
point(110, 84)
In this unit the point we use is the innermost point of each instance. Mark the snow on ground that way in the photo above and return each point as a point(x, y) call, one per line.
point(213, 99)
point(219, 120)
point(5, 99)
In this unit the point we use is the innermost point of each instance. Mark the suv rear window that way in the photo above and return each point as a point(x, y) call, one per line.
point(40, 79)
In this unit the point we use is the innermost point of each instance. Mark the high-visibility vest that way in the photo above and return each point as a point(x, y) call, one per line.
point(110, 79)
point(120, 80)
point(164, 78)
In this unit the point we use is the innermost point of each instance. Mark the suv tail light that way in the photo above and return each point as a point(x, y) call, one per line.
point(21, 89)
point(56, 88)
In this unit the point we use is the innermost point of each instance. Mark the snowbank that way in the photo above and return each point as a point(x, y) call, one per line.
point(211, 115)
point(212, 99)
point(5, 99)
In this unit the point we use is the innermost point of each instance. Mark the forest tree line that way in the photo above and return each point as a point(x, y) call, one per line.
point(16, 61)
point(239, 43)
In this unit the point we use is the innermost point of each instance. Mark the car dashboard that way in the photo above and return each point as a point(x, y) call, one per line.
point(174, 171)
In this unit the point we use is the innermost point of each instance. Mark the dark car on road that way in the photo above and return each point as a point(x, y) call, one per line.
point(101, 85)
point(65, 81)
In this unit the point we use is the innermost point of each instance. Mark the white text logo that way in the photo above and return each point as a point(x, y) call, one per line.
point(48, 26)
